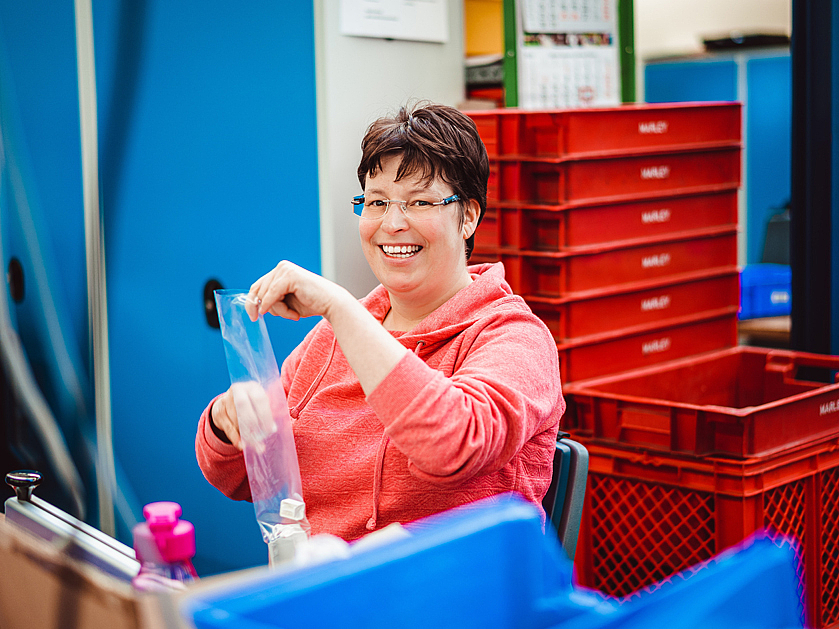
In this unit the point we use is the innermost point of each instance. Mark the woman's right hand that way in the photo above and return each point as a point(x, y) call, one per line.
point(243, 413)
point(224, 417)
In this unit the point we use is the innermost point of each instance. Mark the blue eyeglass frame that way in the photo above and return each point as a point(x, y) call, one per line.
point(358, 203)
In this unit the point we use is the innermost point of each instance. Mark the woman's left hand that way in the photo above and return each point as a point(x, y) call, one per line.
point(292, 292)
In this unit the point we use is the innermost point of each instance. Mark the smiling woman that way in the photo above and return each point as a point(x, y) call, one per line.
point(420, 258)
point(438, 388)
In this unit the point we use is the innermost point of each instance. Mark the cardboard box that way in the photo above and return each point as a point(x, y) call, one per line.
point(40, 586)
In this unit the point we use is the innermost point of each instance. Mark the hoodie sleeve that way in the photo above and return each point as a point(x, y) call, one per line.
point(222, 464)
point(504, 389)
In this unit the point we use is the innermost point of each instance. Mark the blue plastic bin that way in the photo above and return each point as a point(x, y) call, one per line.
point(490, 565)
point(487, 565)
point(752, 586)
point(765, 291)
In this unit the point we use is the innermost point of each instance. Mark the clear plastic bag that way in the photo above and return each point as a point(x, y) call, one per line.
point(264, 426)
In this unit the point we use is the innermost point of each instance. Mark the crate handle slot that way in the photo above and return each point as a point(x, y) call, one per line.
point(789, 365)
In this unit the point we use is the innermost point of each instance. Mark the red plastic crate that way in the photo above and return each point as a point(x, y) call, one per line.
point(495, 94)
point(616, 179)
point(559, 275)
point(642, 346)
point(556, 229)
point(484, 257)
point(487, 234)
point(608, 131)
point(492, 181)
point(747, 401)
point(638, 304)
point(648, 516)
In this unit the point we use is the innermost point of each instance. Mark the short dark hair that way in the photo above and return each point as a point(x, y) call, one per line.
point(433, 140)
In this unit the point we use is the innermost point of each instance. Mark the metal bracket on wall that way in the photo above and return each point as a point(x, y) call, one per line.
point(97, 295)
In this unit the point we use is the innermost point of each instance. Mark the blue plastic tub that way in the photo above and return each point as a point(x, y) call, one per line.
point(765, 291)
point(486, 565)
point(490, 565)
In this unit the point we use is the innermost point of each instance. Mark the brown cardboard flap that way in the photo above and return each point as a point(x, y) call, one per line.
point(40, 586)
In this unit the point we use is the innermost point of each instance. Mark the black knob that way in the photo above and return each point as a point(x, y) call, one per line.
point(23, 482)
point(14, 276)
point(210, 303)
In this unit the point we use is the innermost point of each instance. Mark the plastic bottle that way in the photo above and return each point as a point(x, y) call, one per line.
point(165, 546)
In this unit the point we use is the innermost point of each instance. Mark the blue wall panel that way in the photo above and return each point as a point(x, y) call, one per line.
point(214, 175)
point(668, 82)
point(41, 136)
point(41, 181)
point(208, 169)
point(768, 129)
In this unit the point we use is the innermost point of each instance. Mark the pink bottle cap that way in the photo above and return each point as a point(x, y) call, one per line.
point(174, 538)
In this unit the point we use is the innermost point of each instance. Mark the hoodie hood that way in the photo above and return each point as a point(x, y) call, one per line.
point(488, 290)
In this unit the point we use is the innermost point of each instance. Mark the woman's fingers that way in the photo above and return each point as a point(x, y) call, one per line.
point(284, 310)
point(291, 292)
point(225, 418)
point(253, 408)
point(282, 283)
point(267, 293)
point(253, 301)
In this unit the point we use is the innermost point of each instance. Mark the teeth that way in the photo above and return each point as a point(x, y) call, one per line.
point(401, 251)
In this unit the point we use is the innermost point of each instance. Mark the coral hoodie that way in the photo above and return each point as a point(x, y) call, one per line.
point(472, 411)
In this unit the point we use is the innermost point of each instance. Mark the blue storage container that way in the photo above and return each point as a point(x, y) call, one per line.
point(753, 585)
point(765, 291)
point(490, 565)
point(484, 565)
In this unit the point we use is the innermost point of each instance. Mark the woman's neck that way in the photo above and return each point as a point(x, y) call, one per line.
point(405, 314)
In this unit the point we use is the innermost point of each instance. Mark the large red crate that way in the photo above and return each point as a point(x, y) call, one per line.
point(612, 179)
point(536, 228)
point(642, 346)
point(487, 234)
point(639, 304)
point(648, 516)
point(747, 401)
point(533, 274)
point(608, 131)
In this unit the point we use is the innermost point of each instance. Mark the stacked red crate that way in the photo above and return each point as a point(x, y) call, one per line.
point(618, 226)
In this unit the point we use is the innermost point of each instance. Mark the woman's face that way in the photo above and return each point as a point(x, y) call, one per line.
point(433, 266)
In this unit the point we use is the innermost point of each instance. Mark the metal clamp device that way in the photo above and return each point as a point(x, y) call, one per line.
point(80, 540)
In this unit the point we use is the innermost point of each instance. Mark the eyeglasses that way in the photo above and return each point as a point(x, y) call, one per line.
point(417, 209)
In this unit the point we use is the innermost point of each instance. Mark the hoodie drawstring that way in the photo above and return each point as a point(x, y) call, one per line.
point(380, 466)
point(377, 481)
point(295, 410)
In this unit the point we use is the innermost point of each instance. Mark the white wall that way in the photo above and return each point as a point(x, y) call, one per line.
point(664, 27)
point(358, 80)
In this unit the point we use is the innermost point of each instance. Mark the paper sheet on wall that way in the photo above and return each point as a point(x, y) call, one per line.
point(567, 54)
point(415, 20)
